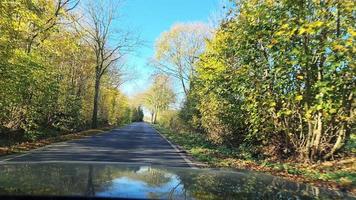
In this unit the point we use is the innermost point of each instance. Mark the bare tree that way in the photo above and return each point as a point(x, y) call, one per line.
point(109, 45)
point(121, 73)
point(178, 49)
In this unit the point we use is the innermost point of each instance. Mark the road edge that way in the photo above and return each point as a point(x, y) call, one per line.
point(190, 162)
point(9, 157)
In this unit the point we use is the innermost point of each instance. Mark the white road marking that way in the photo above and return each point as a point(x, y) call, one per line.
point(188, 161)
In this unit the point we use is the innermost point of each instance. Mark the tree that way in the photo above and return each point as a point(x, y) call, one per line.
point(280, 75)
point(178, 49)
point(159, 96)
point(108, 48)
point(47, 65)
point(40, 30)
point(29, 80)
point(137, 114)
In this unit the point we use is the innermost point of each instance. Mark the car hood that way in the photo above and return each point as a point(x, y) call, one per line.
point(145, 181)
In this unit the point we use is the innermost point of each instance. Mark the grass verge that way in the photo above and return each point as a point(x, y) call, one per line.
point(26, 146)
point(339, 174)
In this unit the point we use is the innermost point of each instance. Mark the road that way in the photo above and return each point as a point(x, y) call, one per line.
point(137, 143)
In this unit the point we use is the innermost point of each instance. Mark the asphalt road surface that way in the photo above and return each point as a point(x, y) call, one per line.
point(137, 143)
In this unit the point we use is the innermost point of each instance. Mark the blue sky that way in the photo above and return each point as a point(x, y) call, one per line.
point(149, 18)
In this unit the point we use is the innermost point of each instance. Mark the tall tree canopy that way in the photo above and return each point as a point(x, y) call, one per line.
point(279, 75)
point(178, 49)
point(108, 44)
point(295, 63)
point(159, 96)
point(48, 68)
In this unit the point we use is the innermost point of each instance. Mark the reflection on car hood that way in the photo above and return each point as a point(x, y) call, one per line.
point(135, 181)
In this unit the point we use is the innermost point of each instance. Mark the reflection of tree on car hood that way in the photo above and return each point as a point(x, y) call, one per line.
point(95, 179)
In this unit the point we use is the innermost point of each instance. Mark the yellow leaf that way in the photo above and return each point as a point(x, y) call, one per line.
point(319, 107)
point(352, 32)
point(288, 112)
point(300, 77)
point(299, 98)
point(317, 24)
point(279, 33)
point(308, 115)
point(332, 111)
point(302, 30)
point(338, 47)
point(285, 26)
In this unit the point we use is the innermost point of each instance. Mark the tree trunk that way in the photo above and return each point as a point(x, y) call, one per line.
point(94, 123)
point(345, 130)
point(155, 118)
point(318, 131)
point(307, 73)
point(152, 114)
point(184, 87)
point(308, 143)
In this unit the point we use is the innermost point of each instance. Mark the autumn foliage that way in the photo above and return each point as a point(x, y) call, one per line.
point(278, 80)
point(47, 72)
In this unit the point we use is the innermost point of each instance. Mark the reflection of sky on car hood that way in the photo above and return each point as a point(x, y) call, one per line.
point(134, 181)
point(127, 187)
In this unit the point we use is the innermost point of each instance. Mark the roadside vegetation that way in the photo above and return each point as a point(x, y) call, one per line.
point(271, 89)
point(61, 65)
point(333, 174)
